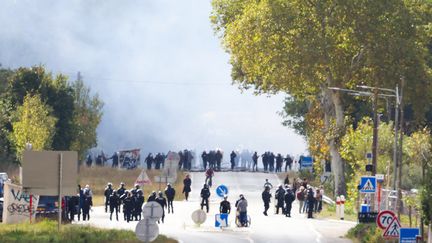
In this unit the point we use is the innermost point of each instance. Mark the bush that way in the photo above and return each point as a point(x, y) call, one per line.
point(366, 233)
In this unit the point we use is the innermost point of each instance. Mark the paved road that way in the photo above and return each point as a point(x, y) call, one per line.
point(274, 228)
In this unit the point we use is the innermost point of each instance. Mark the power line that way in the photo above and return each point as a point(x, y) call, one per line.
point(130, 81)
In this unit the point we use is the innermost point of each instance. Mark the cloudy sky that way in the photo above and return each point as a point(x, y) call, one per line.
point(156, 64)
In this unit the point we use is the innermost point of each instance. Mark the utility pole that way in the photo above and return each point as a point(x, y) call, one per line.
point(395, 145)
point(399, 193)
point(375, 132)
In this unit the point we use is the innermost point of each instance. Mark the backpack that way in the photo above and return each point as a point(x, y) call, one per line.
point(300, 196)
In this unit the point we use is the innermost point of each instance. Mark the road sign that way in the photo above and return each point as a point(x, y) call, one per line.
point(222, 190)
point(41, 174)
point(152, 211)
point(409, 235)
point(143, 179)
point(393, 229)
point(147, 230)
point(369, 156)
point(172, 160)
point(385, 218)
point(379, 177)
point(368, 184)
point(306, 161)
point(199, 216)
point(221, 220)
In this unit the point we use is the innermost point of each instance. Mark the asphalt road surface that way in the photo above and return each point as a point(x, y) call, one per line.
point(273, 228)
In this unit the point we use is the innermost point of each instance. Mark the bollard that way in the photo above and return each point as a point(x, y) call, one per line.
point(342, 207)
point(337, 206)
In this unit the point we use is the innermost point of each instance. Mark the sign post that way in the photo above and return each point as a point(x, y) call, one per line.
point(43, 174)
point(60, 190)
point(380, 180)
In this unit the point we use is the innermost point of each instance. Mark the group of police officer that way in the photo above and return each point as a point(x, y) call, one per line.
point(132, 201)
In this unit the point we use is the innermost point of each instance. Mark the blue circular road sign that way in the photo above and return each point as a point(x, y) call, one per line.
point(222, 190)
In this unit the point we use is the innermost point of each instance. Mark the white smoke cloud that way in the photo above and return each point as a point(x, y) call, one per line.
point(157, 65)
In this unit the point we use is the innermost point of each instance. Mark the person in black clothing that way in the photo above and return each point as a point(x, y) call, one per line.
point(89, 160)
point(73, 207)
point(225, 206)
point(134, 191)
point(128, 206)
point(279, 162)
point(264, 159)
point(87, 203)
point(272, 161)
point(288, 162)
point(266, 197)
point(152, 197)
point(255, 161)
point(139, 201)
point(204, 159)
point(170, 194)
point(286, 180)
point(233, 155)
point(310, 202)
point(149, 161)
point(218, 159)
point(205, 195)
point(114, 202)
point(187, 182)
point(279, 195)
point(115, 160)
point(289, 199)
point(182, 158)
point(108, 191)
point(162, 201)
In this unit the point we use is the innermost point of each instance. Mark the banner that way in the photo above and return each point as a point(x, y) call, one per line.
point(16, 206)
point(143, 179)
point(129, 159)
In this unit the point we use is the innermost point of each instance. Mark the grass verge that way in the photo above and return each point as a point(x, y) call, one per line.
point(329, 212)
point(365, 233)
point(46, 231)
point(98, 177)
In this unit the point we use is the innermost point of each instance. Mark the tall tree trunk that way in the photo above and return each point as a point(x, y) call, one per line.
point(332, 108)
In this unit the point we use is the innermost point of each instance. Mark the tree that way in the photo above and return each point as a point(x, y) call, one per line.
point(54, 91)
point(304, 47)
point(86, 118)
point(32, 123)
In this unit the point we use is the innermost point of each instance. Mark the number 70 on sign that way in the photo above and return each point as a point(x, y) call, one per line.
point(385, 218)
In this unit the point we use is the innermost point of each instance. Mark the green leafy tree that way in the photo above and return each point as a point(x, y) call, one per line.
point(304, 47)
point(356, 143)
point(86, 118)
point(32, 123)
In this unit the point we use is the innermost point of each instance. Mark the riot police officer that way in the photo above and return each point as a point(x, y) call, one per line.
point(205, 195)
point(162, 201)
point(170, 194)
point(114, 201)
point(279, 195)
point(107, 193)
point(266, 197)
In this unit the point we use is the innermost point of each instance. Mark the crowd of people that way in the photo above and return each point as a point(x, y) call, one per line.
point(270, 161)
point(130, 202)
point(309, 198)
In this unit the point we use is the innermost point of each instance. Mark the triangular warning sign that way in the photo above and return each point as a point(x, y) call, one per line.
point(143, 179)
point(393, 229)
point(368, 186)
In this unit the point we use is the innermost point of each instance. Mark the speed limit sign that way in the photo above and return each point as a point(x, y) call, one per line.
point(385, 218)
